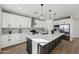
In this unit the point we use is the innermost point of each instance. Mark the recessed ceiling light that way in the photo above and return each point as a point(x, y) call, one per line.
point(19, 7)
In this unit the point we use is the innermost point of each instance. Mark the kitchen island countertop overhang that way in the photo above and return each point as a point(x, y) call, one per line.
point(44, 39)
point(43, 44)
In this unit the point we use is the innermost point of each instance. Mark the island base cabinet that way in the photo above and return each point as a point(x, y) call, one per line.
point(37, 48)
point(48, 48)
point(43, 49)
point(52, 45)
point(29, 46)
point(64, 37)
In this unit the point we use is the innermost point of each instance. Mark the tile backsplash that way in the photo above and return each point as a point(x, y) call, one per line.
point(16, 30)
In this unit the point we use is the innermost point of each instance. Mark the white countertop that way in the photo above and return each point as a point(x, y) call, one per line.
point(40, 38)
point(44, 39)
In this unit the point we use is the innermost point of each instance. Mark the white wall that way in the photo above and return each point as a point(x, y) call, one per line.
point(0, 23)
point(75, 29)
point(0, 20)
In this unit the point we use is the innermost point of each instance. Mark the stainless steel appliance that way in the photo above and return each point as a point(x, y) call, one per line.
point(65, 28)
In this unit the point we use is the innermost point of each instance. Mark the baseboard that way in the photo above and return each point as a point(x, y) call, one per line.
point(13, 45)
point(0, 50)
point(75, 38)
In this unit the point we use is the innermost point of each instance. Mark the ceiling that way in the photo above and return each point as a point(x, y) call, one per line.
point(34, 10)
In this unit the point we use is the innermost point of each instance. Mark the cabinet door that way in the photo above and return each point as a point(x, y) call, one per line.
point(24, 22)
point(18, 21)
point(15, 21)
point(27, 22)
point(45, 49)
point(12, 21)
point(4, 24)
point(17, 39)
point(8, 20)
point(29, 46)
point(52, 45)
point(21, 21)
point(6, 41)
point(5, 20)
point(11, 40)
point(21, 39)
point(14, 39)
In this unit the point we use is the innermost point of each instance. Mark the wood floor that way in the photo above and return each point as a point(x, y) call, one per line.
point(18, 49)
point(65, 47)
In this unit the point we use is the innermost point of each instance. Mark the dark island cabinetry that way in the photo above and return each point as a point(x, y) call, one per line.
point(46, 49)
point(43, 49)
point(38, 47)
point(29, 46)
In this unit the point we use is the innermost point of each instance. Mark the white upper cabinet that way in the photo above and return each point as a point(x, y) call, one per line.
point(12, 21)
point(15, 21)
point(18, 22)
point(63, 21)
point(6, 21)
point(27, 22)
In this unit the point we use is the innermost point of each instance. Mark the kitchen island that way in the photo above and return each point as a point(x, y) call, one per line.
point(43, 44)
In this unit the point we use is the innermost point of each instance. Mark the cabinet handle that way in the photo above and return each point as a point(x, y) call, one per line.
point(9, 40)
point(20, 26)
point(9, 25)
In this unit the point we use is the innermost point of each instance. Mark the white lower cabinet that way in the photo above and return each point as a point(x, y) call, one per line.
point(13, 39)
point(5, 41)
point(23, 38)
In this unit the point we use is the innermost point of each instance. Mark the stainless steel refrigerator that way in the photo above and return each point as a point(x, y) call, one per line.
point(65, 28)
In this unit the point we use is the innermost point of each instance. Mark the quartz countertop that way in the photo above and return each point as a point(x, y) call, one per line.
point(44, 39)
point(40, 38)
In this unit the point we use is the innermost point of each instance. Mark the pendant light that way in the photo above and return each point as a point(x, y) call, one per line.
point(42, 17)
point(54, 15)
point(49, 14)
